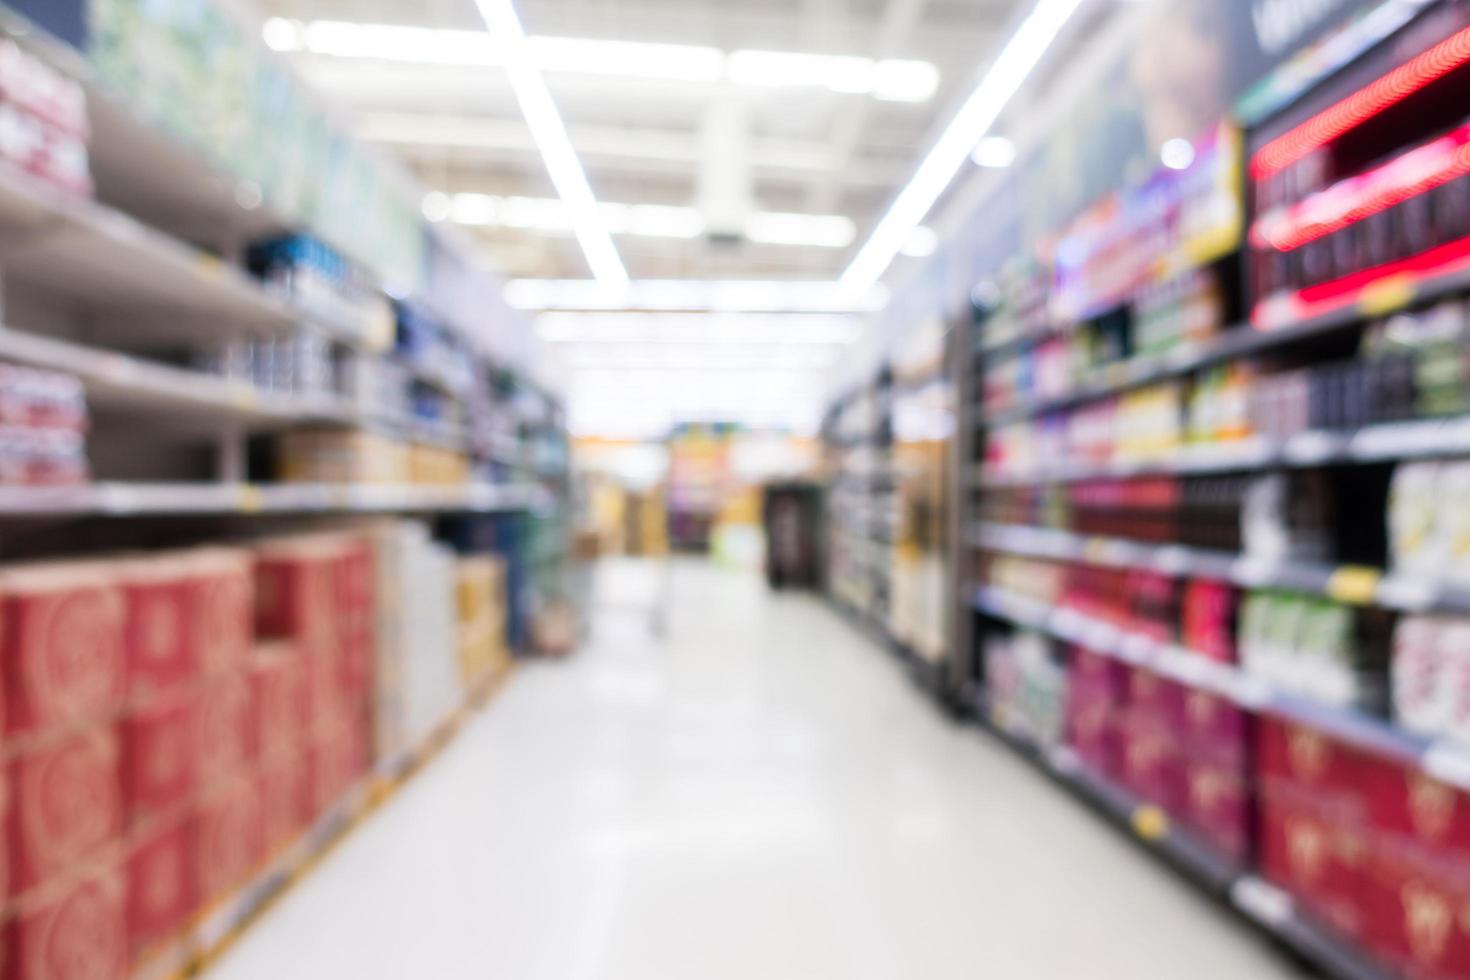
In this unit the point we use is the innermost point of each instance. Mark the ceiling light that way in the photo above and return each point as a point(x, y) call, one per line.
point(815, 230)
point(645, 220)
point(893, 80)
point(921, 244)
point(1177, 154)
point(1005, 76)
point(706, 329)
point(727, 295)
point(905, 81)
point(994, 153)
point(666, 62)
point(556, 148)
point(438, 206)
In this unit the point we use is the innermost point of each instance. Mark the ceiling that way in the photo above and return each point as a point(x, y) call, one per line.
point(713, 160)
point(676, 143)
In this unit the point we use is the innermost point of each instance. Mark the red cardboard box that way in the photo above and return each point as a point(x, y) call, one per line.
point(159, 757)
point(278, 683)
point(1215, 730)
point(1296, 756)
point(295, 589)
point(1406, 803)
point(1218, 808)
point(66, 806)
point(156, 635)
point(1093, 731)
point(1418, 919)
point(1319, 856)
point(1107, 676)
point(355, 571)
point(328, 702)
point(286, 800)
point(1153, 767)
point(1156, 698)
point(228, 839)
point(226, 724)
point(336, 763)
point(63, 648)
point(160, 884)
point(81, 934)
point(221, 603)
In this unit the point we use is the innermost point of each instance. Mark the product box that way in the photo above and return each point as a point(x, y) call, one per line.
point(338, 760)
point(1420, 812)
point(81, 932)
point(226, 727)
point(342, 456)
point(228, 841)
point(1153, 766)
point(1215, 730)
point(286, 800)
point(221, 600)
point(1317, 856)
point(294, 593)
point(1218, 807)
point(63, 645)
point(1156, 698)
point(1297, 757)
point(278, 685)
point(354, 575)
point(1417, 917)
point(160, 883)
point(157, 646)
point(160, 755)
point(65, 806)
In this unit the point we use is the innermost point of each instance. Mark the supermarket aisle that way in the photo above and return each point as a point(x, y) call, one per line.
point(762, 797)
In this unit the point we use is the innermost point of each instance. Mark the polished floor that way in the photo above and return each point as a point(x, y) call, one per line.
point(743, 789)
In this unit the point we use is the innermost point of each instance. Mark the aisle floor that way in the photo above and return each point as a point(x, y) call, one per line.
point(747, 790)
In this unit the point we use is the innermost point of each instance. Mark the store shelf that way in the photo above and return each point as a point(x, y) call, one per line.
point(1354, 585)
point(1268, 907)
point(119, 381)
point(1419, 439)
point(163, 499)
point(1275, 911)
point(1236, 342)
point(1445, 760)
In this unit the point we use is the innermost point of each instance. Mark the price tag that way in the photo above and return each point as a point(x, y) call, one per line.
point(1150, 823)
point(1262, 902)
point(1449, 764)
point(1387, 295)
point(1354, 586)
point(209, 266)
point(252, 500)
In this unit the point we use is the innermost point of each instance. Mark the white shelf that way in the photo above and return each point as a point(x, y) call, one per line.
point(1349, 584)
point(1445, 760)
point(1419, 439)
point(138, 499)
point(119, 381)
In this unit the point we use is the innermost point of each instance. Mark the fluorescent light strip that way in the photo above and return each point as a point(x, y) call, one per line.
point(721, 295)
point(1015, 63)
point(889, 80)
point(645, 220)
point(550, 135)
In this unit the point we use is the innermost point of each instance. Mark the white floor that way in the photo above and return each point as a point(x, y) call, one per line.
point(759, 796)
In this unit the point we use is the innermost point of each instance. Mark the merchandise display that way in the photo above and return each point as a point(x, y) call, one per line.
point(1234, 553)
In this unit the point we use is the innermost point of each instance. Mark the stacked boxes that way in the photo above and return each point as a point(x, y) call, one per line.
point(483, 620)
point(43, 428)
point(1183, 750)
point(44, 128)
point(341, 456)
point(64, 682)
point(417, 673)
point(316, 594)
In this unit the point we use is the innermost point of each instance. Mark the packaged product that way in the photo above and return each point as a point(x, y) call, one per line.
point(1422, 698)
point(1452, 522)
point(1415, 547)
